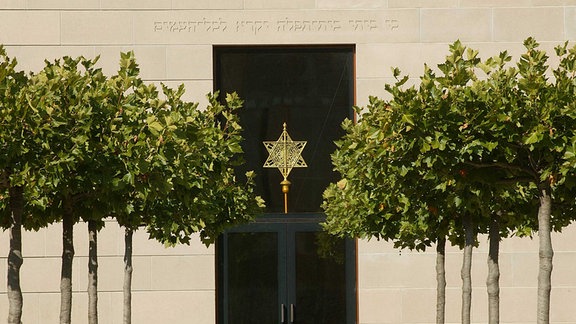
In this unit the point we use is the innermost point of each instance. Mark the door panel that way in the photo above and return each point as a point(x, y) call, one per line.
point(253, 277)
point(319, 279)
point(285, 273)
point(252, 288)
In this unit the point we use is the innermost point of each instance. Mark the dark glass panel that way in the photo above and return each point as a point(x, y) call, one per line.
point(320, 279)
point(309, 89)
point(253, 278)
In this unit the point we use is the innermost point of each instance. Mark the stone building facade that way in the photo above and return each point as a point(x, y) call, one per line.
point(174, 42)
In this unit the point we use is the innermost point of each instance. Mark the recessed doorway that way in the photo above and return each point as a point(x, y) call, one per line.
point(283, 268)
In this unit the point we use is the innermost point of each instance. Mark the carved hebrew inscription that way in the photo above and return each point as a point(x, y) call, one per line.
point(363, 24)
point(252, 26)
point(294, 25)
point(203, 25)
point(283, 25)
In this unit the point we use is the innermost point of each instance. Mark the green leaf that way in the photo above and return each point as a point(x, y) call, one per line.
point(534, 137)
point(155, 125)
point(407, 118)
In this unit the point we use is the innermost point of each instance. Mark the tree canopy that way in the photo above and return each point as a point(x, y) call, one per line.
point(483, 138)
point(83, 146)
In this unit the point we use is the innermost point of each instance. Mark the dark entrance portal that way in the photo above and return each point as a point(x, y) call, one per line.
point(283, 268)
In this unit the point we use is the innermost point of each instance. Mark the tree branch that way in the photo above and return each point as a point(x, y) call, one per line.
point(4, 181)
point(80, 196)
point(505, 166)
point(515, 180)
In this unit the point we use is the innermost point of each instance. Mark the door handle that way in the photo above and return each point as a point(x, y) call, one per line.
point(292, 313)
point(282, 314)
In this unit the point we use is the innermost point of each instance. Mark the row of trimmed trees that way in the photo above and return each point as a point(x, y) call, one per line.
point(77, 145)
point(479, 146)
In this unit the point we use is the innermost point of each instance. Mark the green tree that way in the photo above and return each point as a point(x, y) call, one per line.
point(68, 95)
point(22, 198)
point(111, 147)
point(206, 198)
point(98, 171)
point(529, 120)
point(15, 157)
point(518, 126)
point(175, 164)
point(488, 149)
point(400, 174)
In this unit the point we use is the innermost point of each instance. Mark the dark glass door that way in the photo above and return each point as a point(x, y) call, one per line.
point(286, 273)
point(253, 276)
point(317, 277)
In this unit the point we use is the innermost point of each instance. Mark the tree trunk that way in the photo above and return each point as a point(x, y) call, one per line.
point(466, 272)
point(546, 254)
point(15, 259)
point(67, 257)
point(441, 281)
point(93, 272)
point(128, 276)
point(492, 281)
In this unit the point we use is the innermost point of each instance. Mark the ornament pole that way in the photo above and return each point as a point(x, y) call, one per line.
point(285, 189)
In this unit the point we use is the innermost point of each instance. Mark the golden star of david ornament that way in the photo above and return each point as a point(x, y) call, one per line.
point(285, 154)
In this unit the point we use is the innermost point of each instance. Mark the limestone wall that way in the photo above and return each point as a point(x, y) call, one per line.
point(399, 286)
point(170, 285)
